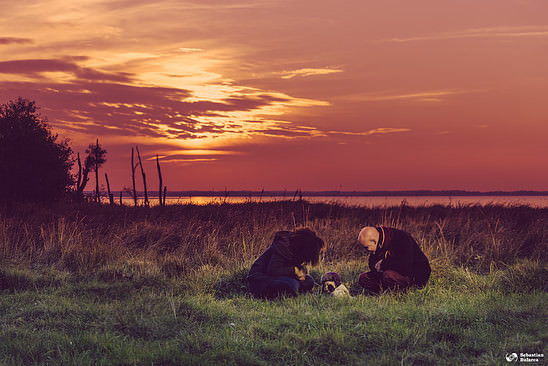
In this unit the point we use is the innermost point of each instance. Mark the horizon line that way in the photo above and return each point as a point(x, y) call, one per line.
point(319, 193)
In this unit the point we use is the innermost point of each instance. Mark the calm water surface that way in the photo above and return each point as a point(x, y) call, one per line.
point(533, 201)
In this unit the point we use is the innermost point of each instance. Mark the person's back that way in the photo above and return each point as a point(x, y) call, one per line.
point(276, 260)
point(258, 268)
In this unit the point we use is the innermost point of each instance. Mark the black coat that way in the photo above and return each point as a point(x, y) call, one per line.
point(401, 253)
point(277, 261)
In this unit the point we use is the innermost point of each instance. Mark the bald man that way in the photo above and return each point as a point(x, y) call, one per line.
point(395, 260)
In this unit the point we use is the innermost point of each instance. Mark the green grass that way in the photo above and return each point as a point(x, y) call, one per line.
point(97, 285)
point(459, 318)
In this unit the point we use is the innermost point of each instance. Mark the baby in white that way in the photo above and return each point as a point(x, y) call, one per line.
point(332, 285)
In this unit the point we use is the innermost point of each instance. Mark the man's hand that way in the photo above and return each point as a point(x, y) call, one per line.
point(300, 272)
point(378, 266)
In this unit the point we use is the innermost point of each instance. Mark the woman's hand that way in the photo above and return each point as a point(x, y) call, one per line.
point(300, 272)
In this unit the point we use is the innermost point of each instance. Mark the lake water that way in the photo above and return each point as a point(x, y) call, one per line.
point(455, 201)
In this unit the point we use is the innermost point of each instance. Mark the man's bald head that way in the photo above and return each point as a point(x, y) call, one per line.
point(369, 238)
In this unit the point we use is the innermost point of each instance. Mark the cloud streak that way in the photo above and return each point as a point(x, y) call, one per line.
point(38, 68)
point(15, 40)
point(375, 131)
point(418, 96)
point(305, 72)
point(479, 33)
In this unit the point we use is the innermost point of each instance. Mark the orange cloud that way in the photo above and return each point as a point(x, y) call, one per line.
point(376, 131)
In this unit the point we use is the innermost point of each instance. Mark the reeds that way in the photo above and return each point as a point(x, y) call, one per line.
point(178, 239)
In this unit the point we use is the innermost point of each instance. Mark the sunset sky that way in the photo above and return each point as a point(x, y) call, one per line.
point(316, 95)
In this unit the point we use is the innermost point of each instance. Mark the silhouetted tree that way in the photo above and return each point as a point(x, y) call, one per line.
point(96, 157)
point(34, 164)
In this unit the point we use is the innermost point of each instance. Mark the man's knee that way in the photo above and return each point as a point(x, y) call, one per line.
point(393, 280)
point(370, 281)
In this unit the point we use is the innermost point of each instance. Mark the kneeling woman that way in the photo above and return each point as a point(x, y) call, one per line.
point(280, 270)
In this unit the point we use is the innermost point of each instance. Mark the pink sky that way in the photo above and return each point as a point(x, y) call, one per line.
point(316, 95)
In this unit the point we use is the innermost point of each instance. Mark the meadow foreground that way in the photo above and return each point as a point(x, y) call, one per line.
point(119, 285)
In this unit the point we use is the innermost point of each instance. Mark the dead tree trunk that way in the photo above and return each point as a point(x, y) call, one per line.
point(144, 177)
point(133, 167)
point(79, 181)
point(110, 195)
point(97, 194)
point(161, 202)
point(82, 178)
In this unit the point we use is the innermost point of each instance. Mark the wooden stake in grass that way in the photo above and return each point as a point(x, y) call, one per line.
point(147, 204)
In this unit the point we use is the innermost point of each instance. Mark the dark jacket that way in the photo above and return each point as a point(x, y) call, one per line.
point(401, 253)
point(277, 261)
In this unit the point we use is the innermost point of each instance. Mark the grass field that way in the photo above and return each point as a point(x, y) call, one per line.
point(91, 285)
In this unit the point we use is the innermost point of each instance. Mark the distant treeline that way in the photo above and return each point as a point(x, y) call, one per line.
point(290, 194)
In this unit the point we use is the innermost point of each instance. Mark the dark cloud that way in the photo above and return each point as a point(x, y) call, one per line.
point(14, 40)
point(37, 66)
point(231, 104)
point(91, 74)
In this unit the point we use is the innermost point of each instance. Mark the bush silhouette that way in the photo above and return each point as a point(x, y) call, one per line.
point(34, 165)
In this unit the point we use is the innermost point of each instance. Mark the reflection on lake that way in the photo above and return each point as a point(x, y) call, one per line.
point(455, 201)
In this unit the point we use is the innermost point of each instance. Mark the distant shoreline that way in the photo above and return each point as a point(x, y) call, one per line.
point(298, 193)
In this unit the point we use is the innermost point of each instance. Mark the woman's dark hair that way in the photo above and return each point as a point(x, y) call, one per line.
point(306, 246)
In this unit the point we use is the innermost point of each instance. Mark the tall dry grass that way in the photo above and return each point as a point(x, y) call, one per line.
point(178, 239)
